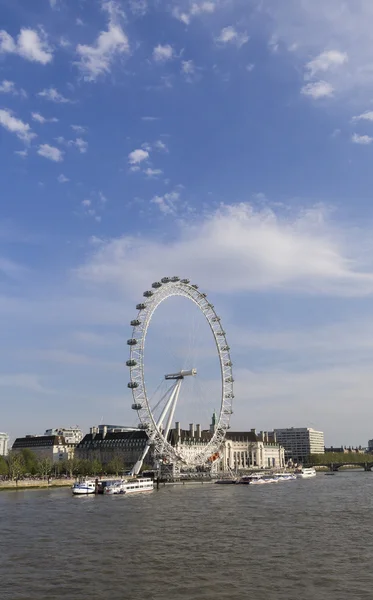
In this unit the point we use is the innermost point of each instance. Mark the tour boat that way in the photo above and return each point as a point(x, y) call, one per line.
point(306, 472)
point(285, 476)
point(130, 486)
point(84, 487)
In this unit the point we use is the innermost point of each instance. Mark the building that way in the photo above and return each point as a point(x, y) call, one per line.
point(300, 442)
point(72, 435)
point(370, 445)
point(54, 447)
point(241, 450)
point(110, 443)
point(4, 441)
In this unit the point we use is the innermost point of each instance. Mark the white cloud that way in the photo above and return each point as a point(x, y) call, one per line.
point(188, 69)
point(50, 152)
point(9, 87)
point(62, 179)
point(196, 9)
point(317, 28)
point(159, 145)
point(53, 95)
point(153, 172)
point(21, 153)
point(167, 202)
point(248, 249)
point(361, 139)
point(138, 7)
point(150, 118)
point(325, 61)
point(79, 129)
point(138, 156)
point(366, 116)
point(14, 125)
point(318, 89)
point(97, 60)
point(40, 119)
point(29, 45)
point(86, 202)
point(80, 144)
point(230, 35)
point(163, 53)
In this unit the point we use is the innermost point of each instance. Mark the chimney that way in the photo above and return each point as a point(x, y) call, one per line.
point(178, 429)
point(253, 431)
point(191, 430)
point(198, 431)
point(261, 435)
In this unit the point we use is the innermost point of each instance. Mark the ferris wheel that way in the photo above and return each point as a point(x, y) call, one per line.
point(158, 429)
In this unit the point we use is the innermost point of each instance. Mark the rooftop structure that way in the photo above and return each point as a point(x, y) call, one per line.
point(72, 435)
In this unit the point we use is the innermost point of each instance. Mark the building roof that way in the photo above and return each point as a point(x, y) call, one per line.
point(38, 441)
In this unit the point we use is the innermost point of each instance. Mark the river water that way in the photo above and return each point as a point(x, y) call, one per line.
point(308, 539)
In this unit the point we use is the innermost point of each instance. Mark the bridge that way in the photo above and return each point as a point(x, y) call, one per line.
point(335, 466)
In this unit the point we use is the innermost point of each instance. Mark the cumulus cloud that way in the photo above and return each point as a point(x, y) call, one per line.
point(9, 87)
point(247, 249)
point(53, 95)
point(11, 123)
point(80, 144)
point(62, 178)
point(137, 156)
point(318, 89)
point(97, 60)
point(40, 119)
point(361, 139)
point(153, 172)
point(50, 152)
point(325, 61)
point(167, 202)
point(196, 9)
point(337, 33)
point(366, 116)
point(159, 145)
point(29, 45)
point(229, 35)
point(79, 129)
point(163, 53)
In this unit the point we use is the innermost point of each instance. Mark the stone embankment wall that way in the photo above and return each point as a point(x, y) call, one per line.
point(34, 483)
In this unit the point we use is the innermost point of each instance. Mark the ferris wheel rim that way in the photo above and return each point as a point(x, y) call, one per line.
point(160, 292)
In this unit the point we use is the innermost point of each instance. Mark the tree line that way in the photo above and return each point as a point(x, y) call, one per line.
point(25, 463)
point(339, 457)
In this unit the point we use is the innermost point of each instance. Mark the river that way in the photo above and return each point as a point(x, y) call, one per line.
point(308, 539)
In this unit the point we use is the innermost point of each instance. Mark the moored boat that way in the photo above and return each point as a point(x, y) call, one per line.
point(130, 486)
point(84, 487)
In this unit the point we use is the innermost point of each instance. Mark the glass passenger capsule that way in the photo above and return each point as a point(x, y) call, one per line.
point(136, 406)
point(148, 294)
point(140, 306)
point(132, 342)
point(156, 284)
point(174, 279)
point(185, 281)
point(165, 280)
point(135, 322)
point(131, 363)
point(132, 385)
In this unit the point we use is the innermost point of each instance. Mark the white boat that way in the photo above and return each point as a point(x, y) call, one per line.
point(307, 472)
point(130, 486)
point(84, 487)
point(285, 476)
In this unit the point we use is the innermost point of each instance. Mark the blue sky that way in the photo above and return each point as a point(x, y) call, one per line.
point(225, 141)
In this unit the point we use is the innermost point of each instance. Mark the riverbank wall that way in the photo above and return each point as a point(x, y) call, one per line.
point(27, 484)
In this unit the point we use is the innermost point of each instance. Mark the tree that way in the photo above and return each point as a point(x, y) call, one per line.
point(116, 465)
point(3, 467)
point(71, 466)
point(95, 467)
point(30, 461)
point(16, 465)
point(45, 467)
